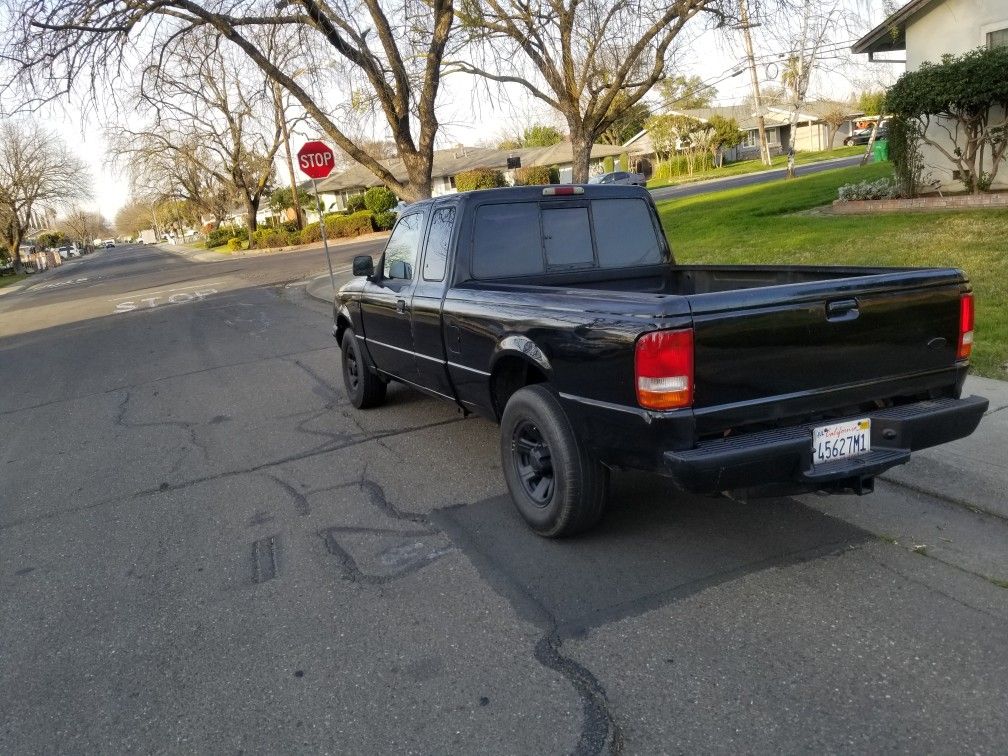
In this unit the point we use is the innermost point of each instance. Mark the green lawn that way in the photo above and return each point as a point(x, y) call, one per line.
point(8, 280)
point(755, 166)
point(765, 224)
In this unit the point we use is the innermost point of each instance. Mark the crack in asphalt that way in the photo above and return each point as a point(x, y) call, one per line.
point(599, 726)
point(600, 731)
point(186, 374)
point(167, 487)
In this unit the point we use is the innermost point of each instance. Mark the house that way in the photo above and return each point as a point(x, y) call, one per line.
point(924, 30)
point(334, 191)
point(811, 134)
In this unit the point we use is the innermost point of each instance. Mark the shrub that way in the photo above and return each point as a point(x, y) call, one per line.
point(905, 154)
point(269, 237)
point(341, 226)
point(533, 175)
point(311, 233)
point(355, 203)
point(961, 90)
point(379, 199)
point(479, 178)
point(608, 165)
point(624, 160)
point(883, 188)
point(217, 237)
point(385, 220)
point(234, 244)
point(554, 172)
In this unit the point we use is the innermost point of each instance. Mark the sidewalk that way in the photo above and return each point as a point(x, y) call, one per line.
point(971, 472)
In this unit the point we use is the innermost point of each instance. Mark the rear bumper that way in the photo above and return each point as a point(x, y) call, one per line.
point(783, 456)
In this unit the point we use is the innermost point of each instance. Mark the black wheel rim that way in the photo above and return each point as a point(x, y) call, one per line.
point(352, 368)
point(533, 462)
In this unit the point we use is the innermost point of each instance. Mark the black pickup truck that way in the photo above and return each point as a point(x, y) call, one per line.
point(560, 313)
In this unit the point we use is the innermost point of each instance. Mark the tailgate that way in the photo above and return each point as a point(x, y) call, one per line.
point(802, 341)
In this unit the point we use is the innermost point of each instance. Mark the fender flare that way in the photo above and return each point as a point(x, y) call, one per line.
point(516, 345)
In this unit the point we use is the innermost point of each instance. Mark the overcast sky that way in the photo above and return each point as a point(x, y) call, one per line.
point(470, 114)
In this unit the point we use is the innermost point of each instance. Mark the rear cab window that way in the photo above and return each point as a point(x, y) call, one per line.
point(531, 238)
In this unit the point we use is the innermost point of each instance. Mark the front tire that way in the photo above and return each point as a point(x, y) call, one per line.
point(363, 386)
point(557, 487)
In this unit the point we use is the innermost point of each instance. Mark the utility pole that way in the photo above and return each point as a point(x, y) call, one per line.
point(282, 116)
point(757, 98)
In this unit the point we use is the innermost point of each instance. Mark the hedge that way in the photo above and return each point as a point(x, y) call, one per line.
point(533, 175)
point(355, 203)
point(379, 199)
point(385, 220)
point(235, 244)
point(275, 237)
point(338, 226)
point(479, 178)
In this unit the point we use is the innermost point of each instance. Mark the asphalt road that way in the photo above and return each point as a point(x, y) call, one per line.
point(749, 179)
point(204, 548)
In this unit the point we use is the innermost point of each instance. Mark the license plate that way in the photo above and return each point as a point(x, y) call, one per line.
point(841, 440)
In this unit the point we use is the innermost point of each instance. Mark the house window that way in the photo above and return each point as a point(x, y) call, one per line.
point(751, 138)
point(997, 38)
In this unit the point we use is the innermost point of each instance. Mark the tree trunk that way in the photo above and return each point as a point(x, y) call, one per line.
point(251, 210)
point(581, 147)
point(16, 237)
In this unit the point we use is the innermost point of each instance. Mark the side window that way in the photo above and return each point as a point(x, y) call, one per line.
point(402, 248)
point(438, 238)
point(567, 237)
point(507, 240)
point(625, 234)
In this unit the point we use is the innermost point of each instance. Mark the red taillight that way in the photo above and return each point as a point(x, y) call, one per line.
point(965, 327)
point(562, 191)
point(664, 369)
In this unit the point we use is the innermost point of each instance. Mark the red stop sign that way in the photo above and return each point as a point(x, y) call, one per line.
point(316, 159)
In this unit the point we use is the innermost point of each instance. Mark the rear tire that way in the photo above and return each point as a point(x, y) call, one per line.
point(558, 489)
point(363, 386)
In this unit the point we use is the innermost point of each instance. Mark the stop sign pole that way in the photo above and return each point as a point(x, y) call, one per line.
point(316, 160)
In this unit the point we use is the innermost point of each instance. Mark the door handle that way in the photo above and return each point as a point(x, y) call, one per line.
point(842, 310)
point(400, 306)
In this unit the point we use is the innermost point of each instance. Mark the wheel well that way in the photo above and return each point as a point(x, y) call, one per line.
point(510, 374)
point(342, 323)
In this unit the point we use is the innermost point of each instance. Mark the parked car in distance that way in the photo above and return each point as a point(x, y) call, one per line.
point(64, 252)
point(561, 314)
point(863, 136)
point(109, 243)
point(619, 177)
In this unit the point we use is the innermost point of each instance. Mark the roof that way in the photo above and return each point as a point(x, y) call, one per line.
point(453, 161)
point(890, 35)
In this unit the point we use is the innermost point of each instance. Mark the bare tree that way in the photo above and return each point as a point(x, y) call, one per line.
point(83, 226)
point(134, 217)
point(835, 116)
point(388, 55)
point(38, 174)
point(213, 133)
point(807, 40)
point(580, 55)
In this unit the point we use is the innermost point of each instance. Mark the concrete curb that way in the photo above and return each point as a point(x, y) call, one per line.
point(212, 256)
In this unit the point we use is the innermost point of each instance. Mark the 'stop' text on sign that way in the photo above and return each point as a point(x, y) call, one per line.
point(316, 159)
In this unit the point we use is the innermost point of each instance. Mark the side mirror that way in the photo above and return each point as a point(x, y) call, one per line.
point(363, 265)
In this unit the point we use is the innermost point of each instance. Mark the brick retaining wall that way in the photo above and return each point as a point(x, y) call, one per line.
point(957, 202)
